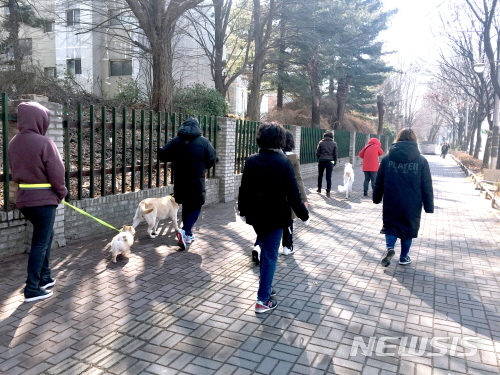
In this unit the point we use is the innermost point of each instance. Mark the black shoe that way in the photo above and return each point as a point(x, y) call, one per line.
point(386, 260)
point(328, 193)
point(382, 231)
point(365, 193)
point(403, 261)
point(35, 295)
point(319, 190)
point(273, 292)
point(46, 284)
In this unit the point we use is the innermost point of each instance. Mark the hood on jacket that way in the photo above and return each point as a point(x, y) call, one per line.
point(32, 117)
point(404, 151)
point(374, 141)
point(189, 129)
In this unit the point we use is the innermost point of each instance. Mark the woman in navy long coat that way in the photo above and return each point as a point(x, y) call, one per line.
point(404, 184)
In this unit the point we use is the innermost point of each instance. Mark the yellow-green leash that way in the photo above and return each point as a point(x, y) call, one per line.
point(49, 186)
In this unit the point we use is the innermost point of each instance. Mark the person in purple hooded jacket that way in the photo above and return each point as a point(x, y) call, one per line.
point(36, 164)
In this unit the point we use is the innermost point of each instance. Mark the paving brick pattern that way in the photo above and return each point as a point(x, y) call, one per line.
point(192, 312)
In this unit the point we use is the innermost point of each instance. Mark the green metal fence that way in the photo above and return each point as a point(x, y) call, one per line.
point(360, 142)
point(342, 138)
point(309, 139)
point(109, 151)
point(246, 142)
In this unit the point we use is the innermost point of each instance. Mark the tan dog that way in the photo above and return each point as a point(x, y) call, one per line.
point(121, 242)
point(155, 209)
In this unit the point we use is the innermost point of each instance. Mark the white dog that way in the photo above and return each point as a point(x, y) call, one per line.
point(348, 180)
point(155, 209)
point(121, 242)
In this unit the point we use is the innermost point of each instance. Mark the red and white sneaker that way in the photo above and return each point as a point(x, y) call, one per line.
point(261, 307)
point(181, 239)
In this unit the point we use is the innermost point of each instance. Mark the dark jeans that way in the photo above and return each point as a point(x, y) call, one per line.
point(390, 242)
point(42, 218)
point(270, 243)
point(322, 165)
point(369, 176)
point(287, 240)
point(189, 217)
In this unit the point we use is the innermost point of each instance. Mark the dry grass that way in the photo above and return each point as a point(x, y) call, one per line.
point(474, 165)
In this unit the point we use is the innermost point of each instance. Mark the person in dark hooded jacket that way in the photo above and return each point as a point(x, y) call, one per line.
point(191, 154)
point(327, 155)
point(37, 166)
point(404, 183)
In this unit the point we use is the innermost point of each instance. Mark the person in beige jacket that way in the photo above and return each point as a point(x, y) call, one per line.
point(287, 240)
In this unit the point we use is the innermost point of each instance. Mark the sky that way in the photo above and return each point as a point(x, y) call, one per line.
point(410, 31)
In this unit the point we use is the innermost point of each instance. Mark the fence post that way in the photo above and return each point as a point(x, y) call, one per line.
point(296, 133)
point(226, 148)
point(352, 147)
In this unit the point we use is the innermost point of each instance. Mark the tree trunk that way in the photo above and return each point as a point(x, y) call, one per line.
point(381, 111)
point(342, 96)
point(219, 35)
point(281, 61)
point(161, 95)
point(478, 139)
point(314, 81)
point(13, 38)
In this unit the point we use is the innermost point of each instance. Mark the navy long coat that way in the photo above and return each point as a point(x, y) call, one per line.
point(192, 155)
point(404, 183)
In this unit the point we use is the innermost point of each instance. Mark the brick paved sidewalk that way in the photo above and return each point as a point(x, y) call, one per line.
point(192, 312)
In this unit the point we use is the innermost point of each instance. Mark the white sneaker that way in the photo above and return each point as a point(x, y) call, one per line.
point(181, 239)
point(189, 239)
point(287, 250)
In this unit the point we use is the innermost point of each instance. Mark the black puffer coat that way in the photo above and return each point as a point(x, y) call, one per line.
point(405, 184)
point(268, 190)
point(192, 155)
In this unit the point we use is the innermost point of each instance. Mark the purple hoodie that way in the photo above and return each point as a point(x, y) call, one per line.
point(34, 158)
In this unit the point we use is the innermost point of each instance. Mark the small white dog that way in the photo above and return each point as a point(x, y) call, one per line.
point(155, 209)
point(348, 180)
point(121, 242)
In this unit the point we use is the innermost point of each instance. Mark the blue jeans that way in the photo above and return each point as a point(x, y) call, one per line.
point(390, 242)
point(322, 166)
point(42, 218)
point(189, 217)
point(269, 245)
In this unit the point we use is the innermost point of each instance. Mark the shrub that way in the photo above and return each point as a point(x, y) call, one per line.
point(200, 100)
point(474, 165)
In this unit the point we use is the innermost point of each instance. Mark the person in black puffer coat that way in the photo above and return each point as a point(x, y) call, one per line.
point(192, 155)
point(404, 183)
point(268, 192)
point(327, 155)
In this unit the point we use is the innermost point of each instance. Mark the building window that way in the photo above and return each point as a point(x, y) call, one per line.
point(50, 72)
point(114, 17)
point(121, 68)
point(73, 17)
point(48, 26)
point(74, 66)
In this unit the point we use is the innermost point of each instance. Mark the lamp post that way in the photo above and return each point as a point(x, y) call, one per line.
point(479, 69)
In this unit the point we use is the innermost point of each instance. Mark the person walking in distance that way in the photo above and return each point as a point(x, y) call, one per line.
point(370, 154)
point(404, 183)
point(191, 154)
point(327, 155)
point(267, 193)
point(444, 149)
point(37, 167)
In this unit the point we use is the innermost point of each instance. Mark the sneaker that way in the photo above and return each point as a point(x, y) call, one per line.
point(365, 193)
point(328, 194)
point(382, 231)
point(406, 260)
point(256, 254)
point(48, 284)
point(273, 292)
point(287, 250)
point(189, 239)
point(261, 307)
point(181, 239)
point(318, 191)
point(37, 295)
point(386, 260)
